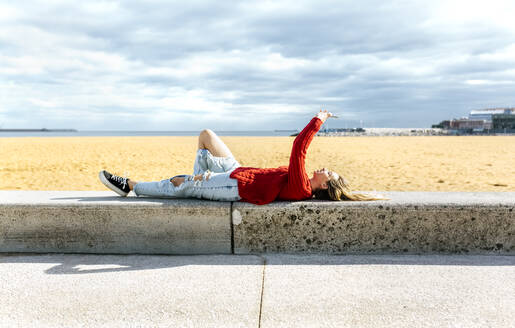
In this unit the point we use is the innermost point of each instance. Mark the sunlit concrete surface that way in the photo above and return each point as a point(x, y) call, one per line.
point(129, 291)
point(389, 291)
point(70, 290)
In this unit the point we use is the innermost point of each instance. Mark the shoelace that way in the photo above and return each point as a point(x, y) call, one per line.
point(120, 180)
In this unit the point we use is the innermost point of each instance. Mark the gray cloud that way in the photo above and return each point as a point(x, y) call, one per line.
point(251, 65)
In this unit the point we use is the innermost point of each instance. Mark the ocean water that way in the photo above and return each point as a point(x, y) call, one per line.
point(144, 134)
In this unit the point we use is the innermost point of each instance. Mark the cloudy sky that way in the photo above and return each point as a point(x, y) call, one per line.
point(242, 65)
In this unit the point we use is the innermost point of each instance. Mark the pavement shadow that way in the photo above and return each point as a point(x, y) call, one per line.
point(116, 199)
point(95, 263)
point(131, 200)
point(99, 263)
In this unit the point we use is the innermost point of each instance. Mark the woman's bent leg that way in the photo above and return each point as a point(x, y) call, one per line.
point(205, 161)
point(209, 140)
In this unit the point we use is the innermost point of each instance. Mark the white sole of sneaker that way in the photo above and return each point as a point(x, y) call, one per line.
point(110, 185)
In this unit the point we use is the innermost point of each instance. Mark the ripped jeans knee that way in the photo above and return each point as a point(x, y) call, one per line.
point(197, 179)
point(200, 178)
point(208, 185)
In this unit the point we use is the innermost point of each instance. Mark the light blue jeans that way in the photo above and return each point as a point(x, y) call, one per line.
point(214, 185)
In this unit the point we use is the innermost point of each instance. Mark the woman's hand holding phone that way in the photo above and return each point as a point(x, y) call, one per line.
point(324, 115)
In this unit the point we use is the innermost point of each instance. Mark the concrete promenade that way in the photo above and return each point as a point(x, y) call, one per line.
point(274, 290)
point(421, 259)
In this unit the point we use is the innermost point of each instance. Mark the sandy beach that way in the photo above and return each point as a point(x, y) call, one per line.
point(420, 163)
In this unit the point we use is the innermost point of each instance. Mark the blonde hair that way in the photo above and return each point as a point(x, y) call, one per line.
point(339, 189)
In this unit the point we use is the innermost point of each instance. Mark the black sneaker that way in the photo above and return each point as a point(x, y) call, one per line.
point(117, 184)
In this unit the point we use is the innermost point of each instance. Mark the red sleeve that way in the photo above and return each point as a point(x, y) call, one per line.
point(298, 180)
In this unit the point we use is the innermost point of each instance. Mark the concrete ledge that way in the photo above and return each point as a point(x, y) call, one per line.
point(411, 222)
point(98, 222)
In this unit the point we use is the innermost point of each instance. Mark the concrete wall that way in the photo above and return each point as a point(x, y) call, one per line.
point(411, 222)
point(97, 222)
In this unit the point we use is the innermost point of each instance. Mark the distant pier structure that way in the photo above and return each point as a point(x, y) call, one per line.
point(360, 132)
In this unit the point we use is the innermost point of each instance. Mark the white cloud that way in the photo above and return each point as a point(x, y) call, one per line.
point(251, 65)
point(488, 82)
point(505, 55)
point(8, 13)
point(276, 62)
point(43, 103)
point(463, 12)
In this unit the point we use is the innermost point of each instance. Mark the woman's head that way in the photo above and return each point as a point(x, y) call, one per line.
point(334, 187)
point(321, 178)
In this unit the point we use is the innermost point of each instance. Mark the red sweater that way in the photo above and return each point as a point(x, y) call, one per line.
point(262, 186)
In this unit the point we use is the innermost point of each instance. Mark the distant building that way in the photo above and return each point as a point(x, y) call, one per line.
point(500, 118)
point(482, 120)
point(486, 114)
point(503, 121)
point(465, 124)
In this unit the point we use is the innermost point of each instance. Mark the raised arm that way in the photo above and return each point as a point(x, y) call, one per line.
point(298, 180)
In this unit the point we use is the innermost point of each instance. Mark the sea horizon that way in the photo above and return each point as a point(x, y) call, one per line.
point(132, 133)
